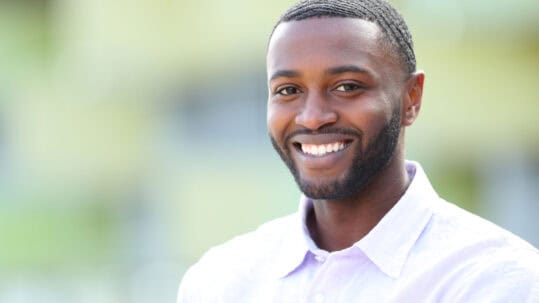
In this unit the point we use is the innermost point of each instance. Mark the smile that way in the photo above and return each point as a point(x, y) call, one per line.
point(321, 150)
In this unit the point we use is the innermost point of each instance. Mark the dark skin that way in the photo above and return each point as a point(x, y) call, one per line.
point(336, 72)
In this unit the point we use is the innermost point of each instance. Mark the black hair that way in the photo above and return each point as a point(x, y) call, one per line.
point(378, 11)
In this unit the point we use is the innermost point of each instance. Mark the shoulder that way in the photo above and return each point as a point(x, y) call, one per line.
point(485, 262)
point(460, 228)
point(233, 264)
point(250, 246)
point(507, 275)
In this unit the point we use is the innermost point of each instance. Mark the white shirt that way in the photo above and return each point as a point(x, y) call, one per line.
point(423, 250)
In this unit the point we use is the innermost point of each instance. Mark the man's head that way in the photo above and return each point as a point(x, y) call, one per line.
point(342, 85)
point(396, 35)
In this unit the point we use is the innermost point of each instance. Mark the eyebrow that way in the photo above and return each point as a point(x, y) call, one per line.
point(347, 69)
point(332, 71)
point(285, 73)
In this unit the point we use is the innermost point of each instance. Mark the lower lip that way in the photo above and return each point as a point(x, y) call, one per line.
point(320, 162)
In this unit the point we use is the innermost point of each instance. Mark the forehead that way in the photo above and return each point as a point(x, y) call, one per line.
point(327, 41)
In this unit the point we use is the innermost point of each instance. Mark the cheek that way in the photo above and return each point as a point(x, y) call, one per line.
point(368, 117)
point(278, 119)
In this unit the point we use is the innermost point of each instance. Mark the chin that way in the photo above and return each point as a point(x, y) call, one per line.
point(327, 189)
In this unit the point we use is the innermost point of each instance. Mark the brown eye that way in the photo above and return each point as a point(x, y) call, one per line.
point(347, 87)
point(288, 90)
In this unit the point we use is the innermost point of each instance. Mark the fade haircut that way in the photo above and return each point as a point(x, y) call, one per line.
point(377, 11)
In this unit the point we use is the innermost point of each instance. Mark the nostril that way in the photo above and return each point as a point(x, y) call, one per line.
point(316, 119)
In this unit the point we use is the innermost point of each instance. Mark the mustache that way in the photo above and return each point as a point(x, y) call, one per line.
point(329, 130)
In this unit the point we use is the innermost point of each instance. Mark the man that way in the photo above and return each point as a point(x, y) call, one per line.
point(343, 87)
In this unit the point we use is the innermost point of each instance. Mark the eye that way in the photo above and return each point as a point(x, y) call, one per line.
point(348, 87)
point(288, 91)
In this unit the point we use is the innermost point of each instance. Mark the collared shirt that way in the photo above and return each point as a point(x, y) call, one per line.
point(423, 250)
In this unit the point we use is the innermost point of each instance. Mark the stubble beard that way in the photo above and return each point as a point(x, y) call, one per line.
point(365, 165)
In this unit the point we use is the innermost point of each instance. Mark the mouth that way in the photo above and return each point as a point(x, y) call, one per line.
point(327, 153)
point(321, 150)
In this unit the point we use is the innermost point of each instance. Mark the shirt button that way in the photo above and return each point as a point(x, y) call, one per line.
point(320, 258)
point(319, 298)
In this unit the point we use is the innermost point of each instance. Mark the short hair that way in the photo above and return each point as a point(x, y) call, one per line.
point(377, 11)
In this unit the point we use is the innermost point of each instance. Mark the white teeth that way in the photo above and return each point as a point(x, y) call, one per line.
point(316, 150)
point(323, 149)
point(329, 148)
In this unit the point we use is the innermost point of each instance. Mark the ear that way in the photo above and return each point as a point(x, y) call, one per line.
point(411, 103)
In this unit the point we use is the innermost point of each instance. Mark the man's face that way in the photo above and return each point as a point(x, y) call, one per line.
point(334, 103)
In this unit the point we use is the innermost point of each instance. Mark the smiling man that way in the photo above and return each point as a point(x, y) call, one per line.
point(343, 86)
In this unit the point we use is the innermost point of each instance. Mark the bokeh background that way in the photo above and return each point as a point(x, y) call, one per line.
point(133, 136)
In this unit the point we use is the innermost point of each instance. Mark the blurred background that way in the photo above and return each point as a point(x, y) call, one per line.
point(133, 133)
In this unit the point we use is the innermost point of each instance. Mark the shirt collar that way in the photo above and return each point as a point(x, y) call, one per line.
point(408, 218)
point(295, 243)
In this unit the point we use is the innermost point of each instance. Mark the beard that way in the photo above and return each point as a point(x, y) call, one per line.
point(365, 164)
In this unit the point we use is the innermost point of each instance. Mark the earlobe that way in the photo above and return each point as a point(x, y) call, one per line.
point(412, 99)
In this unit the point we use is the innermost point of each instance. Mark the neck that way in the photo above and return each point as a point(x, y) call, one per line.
point(338, 224)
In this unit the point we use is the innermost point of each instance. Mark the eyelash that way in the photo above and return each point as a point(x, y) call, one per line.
point(280, 91)
point(351, 88)
point(354, 86)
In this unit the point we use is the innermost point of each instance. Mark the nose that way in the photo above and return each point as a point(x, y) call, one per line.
point(316, 113)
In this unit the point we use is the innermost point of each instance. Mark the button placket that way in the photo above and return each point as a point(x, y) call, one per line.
point(318, 292)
